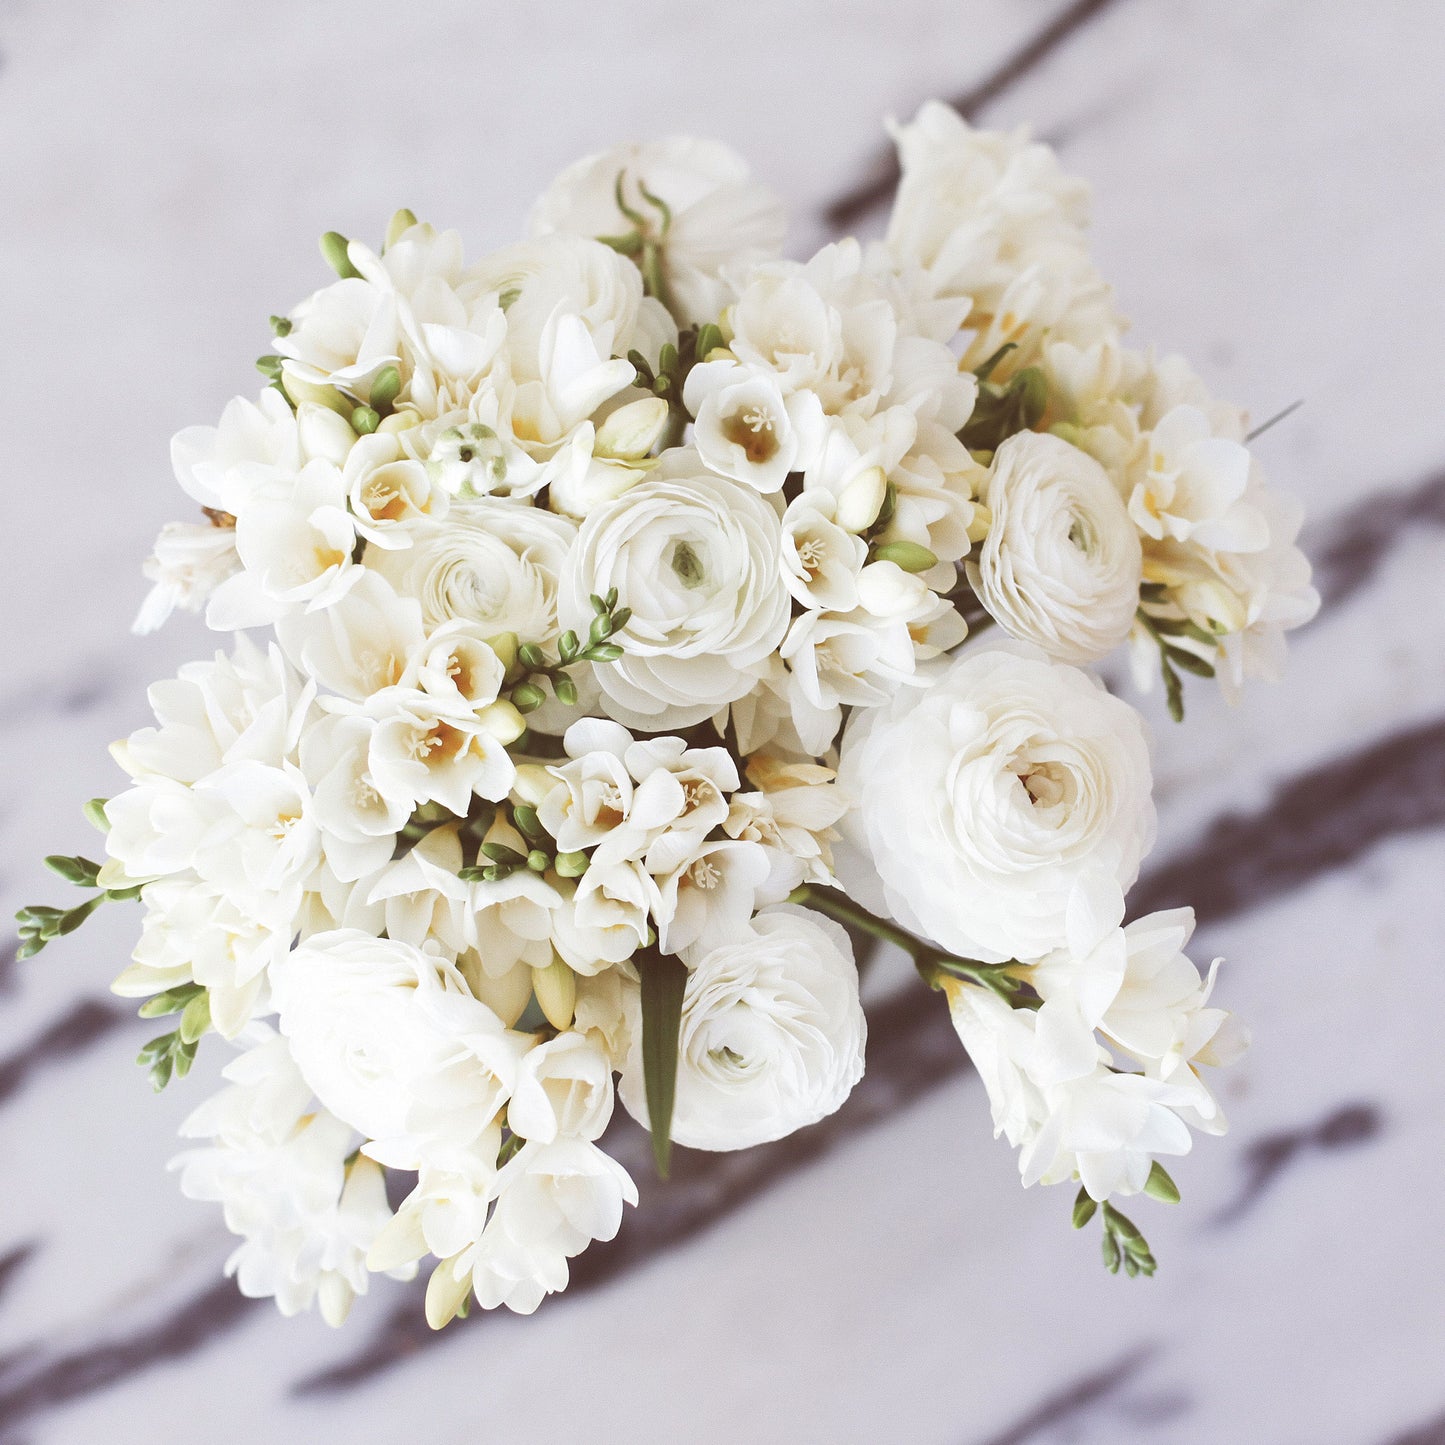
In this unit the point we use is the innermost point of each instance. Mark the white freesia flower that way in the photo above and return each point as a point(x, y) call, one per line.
point(447, 1210)
point(250, 705)
point(188, 563)
point(990, 217)
point(254, 442)
point(194, 932)
point(386, 488)
point(553, 1200)
point(694, 556)
point(563, 1089)
point(1103, 1128)
point(391, 1040)
point(820, 559)
point(1193, 488)
point(1026, 782)
point(279, 1169)
point(295, 539)
point(1061, 564)
point(492, 563)
point(719, 217)
point(772, 1035)
point(359, 645)
point(793, 814)
point(358, 820)
point(746, 428)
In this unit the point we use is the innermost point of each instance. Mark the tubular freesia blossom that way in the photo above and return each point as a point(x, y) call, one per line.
point(621, 584)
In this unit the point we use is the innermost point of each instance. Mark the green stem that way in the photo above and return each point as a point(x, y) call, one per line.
point(929, 960)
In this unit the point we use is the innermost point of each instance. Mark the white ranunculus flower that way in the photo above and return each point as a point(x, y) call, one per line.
point(695, 556)
point(720, 217)
point(494, 563)
point(772, 1035)
point(391, 1040)
point(988, 801)
point(1061, 564)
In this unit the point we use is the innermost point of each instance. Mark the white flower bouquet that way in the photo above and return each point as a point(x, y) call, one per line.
point(653, 617)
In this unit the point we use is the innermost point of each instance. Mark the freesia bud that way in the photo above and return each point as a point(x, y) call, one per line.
point(503, 721)
point(556, 990)
point(324, 432)
point(862, 500)
point(532, 784)
point(401, 222)
point(910, 556)
point(300, 390)
point(631, 431)
point(445, 1294)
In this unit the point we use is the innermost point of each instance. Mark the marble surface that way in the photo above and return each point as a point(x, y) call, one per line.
point(1268, 199)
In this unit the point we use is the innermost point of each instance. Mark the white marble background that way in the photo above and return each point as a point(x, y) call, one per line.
point(1268, 179)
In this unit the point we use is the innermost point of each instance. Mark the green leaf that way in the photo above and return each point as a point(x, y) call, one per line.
point(94, 812)
point(664, 980)
point(1173, 687)
point(565, 689)
point(1160, 1186)
point(1084, 1208)
point(606, 652)
point(986, 370)
point(1190, 662)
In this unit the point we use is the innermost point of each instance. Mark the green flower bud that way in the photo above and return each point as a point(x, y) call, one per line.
point(334, 250)
point(907, 555)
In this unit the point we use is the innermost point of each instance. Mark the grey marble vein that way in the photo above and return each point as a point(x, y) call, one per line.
point(1346, 1127)
point(1067, 1405)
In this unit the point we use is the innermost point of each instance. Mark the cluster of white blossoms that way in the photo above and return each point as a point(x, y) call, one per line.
point(632, 593)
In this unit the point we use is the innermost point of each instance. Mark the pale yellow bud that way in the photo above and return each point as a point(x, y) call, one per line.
point(399, 421)
point(556, 990)
point(317, 393)
point(532, 784)
point(862, 500)
point(445, 1293)
point(503, 721)
point(631, 431)
point(324, 432)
